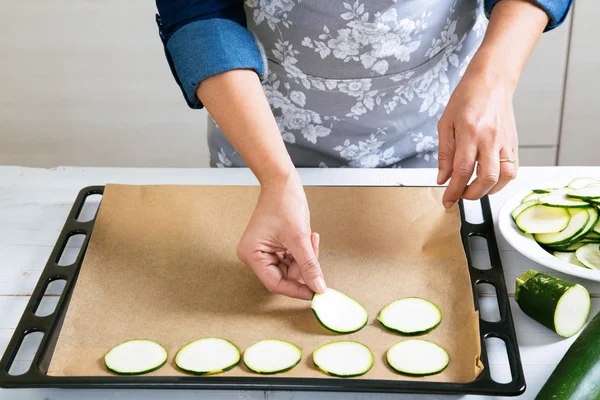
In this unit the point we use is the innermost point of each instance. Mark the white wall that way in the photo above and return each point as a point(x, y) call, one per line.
point(85, 82)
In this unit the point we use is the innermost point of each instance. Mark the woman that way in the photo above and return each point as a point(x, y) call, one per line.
point(354, 83)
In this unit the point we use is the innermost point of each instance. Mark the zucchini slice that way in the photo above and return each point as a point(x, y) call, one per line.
point(272, 356)
point(417, 357)
point(579, 218)
point(410, 316)
point(577, 375)
point(544, 191)
point(522, 207)
point(532, 197)
point(597, 228)
point(537, 193)
point(581, 183)
point(593, 219)
point(561, 200)
point(569, 257)
point(135, 357)
point(343, 358)
point(585, 193)
point(589, 255)
point(207, 356)
point(338, 312)
point(542, 219)
point(566, 249)
point(559, 305)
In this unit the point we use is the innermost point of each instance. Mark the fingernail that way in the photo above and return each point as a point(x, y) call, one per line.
point(439, 178)
point(448, 204)
point(320, 285)
point(317, 240)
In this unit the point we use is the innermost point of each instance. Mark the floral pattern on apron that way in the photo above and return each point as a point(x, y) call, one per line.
point(360, 84)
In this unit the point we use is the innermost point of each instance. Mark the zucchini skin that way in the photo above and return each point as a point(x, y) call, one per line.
point(538, 295)
point(272, 372)
point(577, 375)
point(136, 373)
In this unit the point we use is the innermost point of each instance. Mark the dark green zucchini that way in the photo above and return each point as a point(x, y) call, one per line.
point(577, 375)
point(559, 305)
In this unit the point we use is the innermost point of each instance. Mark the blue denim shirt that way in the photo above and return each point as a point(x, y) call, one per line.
point(203, 38)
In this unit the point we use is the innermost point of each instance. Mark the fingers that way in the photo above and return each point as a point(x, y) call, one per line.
point(462, 171)
point(508, 170)
point(271, 273)
point(316, 241)
point(445, 151)
point(488, 174)
point(305, 256)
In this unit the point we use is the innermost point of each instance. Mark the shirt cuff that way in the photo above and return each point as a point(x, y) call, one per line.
point(557, 10)
point(205, 48)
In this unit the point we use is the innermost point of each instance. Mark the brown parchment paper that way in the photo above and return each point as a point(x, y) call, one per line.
point(161, 264)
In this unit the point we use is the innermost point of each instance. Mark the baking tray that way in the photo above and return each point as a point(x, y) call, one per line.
point(50, 326)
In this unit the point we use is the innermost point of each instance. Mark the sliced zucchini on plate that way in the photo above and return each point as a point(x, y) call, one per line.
point(589, 255)
point(410, 316)
point(561, 200)
point(578, 220)
point(272, 356)
point(581, 182)
point(542, 219)
point(585, 193)
point(522, 207)
point(343, 358)
point(588, 228)
point(559, 305)
point(207, 356)
point(417, 357)
point(569, 257)
point(338, 312)
point(565, 249)
point(135, 357)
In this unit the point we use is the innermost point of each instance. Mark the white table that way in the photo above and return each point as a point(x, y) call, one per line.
point(35, 202)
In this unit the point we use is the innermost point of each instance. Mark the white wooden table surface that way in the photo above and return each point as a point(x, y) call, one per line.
point(35, 202)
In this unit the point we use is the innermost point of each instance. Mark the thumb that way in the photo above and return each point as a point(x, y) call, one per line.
point(304, 255)
point(446, 151)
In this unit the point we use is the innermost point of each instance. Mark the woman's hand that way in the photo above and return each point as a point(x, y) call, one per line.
point(476, 130)
point(278, 243)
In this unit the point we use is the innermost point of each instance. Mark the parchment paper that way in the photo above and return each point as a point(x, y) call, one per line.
point(162, 265)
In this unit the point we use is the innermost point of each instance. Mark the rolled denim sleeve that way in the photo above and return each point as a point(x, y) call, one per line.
point(202, 42)
point(557, 10)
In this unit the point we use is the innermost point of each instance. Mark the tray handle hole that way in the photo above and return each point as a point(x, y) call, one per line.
point(473, 211)
point(488, 302)
point(71, 250)
point(498, 360)
point(481, 257)
point(90, 208)
point(26, 353)
point(49, 301)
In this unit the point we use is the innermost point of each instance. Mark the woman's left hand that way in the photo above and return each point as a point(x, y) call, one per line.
point(476, 130)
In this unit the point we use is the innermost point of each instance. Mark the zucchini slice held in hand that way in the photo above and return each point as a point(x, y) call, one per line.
point(207, 356)
point(410, 316)
point(559, 305)
point(272, 356)
point(135, 357)
point(344, 358)
point(338, 312)
point(417, 357)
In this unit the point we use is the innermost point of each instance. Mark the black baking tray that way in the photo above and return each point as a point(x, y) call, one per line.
point(50, 326)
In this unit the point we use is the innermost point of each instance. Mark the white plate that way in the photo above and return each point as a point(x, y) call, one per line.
point(526, 245)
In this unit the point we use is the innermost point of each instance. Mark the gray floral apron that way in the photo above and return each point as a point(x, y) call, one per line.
point(359, 84)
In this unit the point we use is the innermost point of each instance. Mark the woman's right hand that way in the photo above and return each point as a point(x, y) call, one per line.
point(278, 243)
